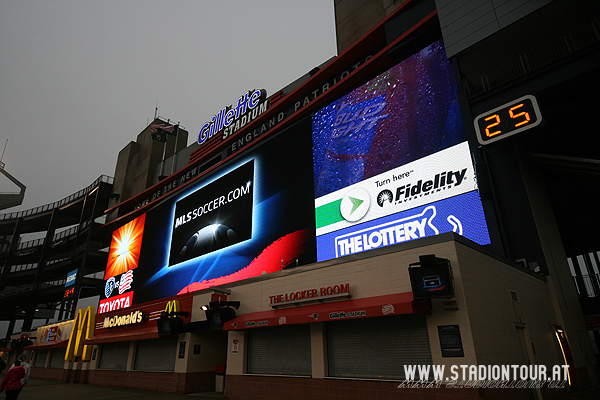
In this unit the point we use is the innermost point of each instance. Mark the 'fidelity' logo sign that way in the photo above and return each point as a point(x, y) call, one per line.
point(441, 181)
point(442, 175)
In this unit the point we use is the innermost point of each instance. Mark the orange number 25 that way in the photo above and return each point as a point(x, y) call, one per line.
point(495, 117)
point(524, 114)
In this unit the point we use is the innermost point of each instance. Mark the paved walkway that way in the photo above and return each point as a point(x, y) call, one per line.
point(590, 394)
point(41, 389)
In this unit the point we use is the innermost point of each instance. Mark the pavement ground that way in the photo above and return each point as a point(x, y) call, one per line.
point(41, 389)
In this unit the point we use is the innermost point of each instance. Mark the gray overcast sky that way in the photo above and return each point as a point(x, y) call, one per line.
point(79, 79)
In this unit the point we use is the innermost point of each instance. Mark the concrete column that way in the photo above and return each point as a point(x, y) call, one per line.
point(318, 350)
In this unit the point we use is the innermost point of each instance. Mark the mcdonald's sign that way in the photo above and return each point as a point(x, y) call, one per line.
point(83, 328)
point(169, 322)
point(172, 307)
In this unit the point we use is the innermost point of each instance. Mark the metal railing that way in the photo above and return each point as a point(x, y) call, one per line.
point(18, 290)
point(61, 235)
point(23, 267)
point(52, 284)
point(60, 203)
point(588, 290)
point(31, 243)
point(57, 260)
point(534, 58)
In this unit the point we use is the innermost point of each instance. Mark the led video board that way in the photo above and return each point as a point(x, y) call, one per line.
point(391, 162)
point(123, 259)
point(125, 247)
point(254, 215)
point(200, 227)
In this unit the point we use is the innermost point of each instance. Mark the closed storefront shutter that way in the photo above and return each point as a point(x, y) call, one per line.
point(114, 356)
point(156, 354)
point(377, 347)
point(40, 358)
point(280, 350)
point(57, 359)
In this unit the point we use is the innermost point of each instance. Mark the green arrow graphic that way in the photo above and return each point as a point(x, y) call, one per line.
point(355, 203)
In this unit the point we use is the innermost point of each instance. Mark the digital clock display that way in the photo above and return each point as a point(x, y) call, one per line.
point(69, 292)
point(507, 120)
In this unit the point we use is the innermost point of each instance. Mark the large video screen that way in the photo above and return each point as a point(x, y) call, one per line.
point(252, 216)
point(391, 162)
point(123, 259)
point(223, 212)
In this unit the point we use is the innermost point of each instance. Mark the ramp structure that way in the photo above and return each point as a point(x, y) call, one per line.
point(8, 200)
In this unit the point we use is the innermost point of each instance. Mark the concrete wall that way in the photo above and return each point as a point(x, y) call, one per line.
point(137, 162)
point(487, 316)
point(465, 22)
point(493, 315)
point(354, 18)
point(490, 321)
point(193, 373)
point(564, 297)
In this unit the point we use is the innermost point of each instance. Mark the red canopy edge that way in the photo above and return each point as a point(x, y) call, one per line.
point(394, 304)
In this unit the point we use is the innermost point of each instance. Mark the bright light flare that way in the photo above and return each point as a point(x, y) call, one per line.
point(125, 247)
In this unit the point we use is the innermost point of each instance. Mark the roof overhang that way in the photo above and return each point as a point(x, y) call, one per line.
point(47, 345)
point(378, 306)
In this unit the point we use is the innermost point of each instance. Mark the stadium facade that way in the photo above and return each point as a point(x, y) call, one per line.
point(425, 198)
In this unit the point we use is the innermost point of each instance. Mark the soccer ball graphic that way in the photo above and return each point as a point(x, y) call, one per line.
point(208, 239)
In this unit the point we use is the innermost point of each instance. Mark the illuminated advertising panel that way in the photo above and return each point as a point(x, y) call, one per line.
point(123, 259)
point(69, 288)
point(71, 276)
point(217, 216)
point(252, 216)
point(391, 162)
point(117, 293)
point(125, 247)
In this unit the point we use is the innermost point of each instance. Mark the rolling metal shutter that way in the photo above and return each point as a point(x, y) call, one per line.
point(156, 354)
point(114, 356)
point(280, 350)
point(377, 347)
point(40, 358)
point(57, 358)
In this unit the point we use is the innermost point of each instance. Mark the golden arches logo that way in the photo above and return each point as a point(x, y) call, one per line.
point(83, 328)
point(172, 307)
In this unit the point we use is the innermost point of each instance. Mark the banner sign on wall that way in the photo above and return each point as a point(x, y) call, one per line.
point(116, 302)
point(450, 341)
point(69, 288)
point(54, 332)
point(71, 276)
point(123, 259)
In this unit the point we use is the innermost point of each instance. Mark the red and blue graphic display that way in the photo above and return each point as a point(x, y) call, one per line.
point(252, 216)
point(384, 164)
point(391, 162)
